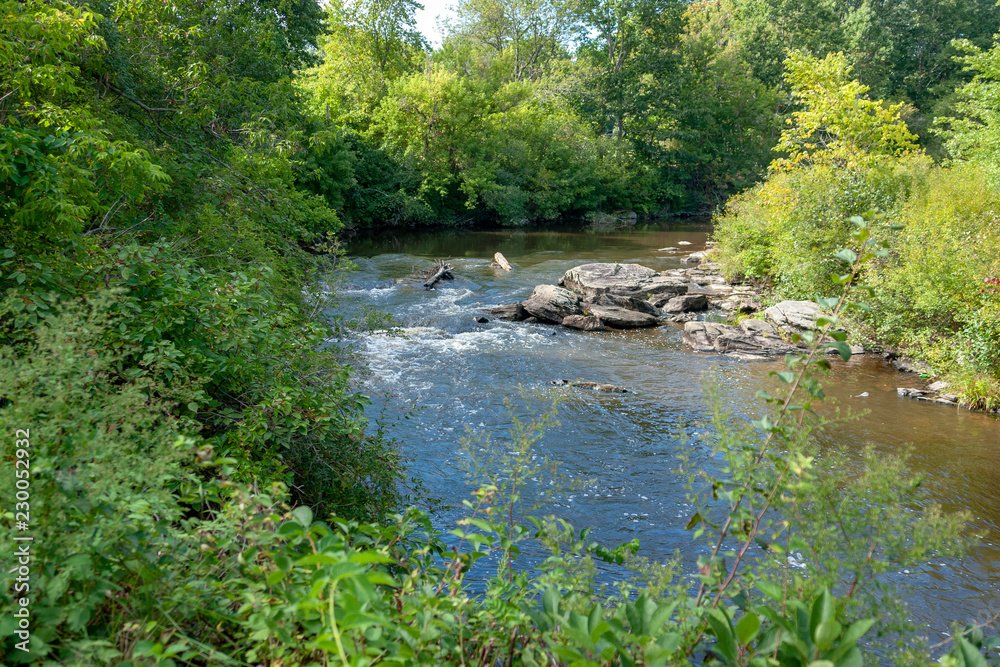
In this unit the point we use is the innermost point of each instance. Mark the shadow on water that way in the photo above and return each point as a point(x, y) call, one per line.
point(459, 372)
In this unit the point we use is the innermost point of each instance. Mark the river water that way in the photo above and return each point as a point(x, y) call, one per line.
point(457, 373)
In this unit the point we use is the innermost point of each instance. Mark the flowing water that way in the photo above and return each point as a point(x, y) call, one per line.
point(458, 373)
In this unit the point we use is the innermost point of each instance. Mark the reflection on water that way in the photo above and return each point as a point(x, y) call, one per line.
point(459, 371)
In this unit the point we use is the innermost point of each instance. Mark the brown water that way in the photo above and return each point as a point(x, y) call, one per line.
point(460, 371)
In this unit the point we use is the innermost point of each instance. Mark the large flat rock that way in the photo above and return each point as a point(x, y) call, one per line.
point(628, 280)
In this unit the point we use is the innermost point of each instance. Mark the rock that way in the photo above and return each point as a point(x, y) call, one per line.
point(622, 318)
point(482, 320)
point(940, 385)
point(669, 249)
point(795, 314)
point(596, 386)
point(751, 341)
point(701, 336)
point(757, 327)
point(632, 280)
point(552, 304)
point(696, 257)
point(626, 302)
point(909, 365)
point(513, 313)
point(686, 303)
point(910, 392)
point(583, 322)
point(747, 345)
point(683, 243)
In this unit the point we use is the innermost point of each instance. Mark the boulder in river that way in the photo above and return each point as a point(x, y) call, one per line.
point(622, 318)
point(686, 303)
point(794, 314)
point(583, 322)
point(552, 304)
point(513, 313)
point(631, 280)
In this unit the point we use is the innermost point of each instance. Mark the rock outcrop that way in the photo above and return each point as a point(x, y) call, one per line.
point(631, 280)
point(794, 314)
point(750, 340)
point(552, 304)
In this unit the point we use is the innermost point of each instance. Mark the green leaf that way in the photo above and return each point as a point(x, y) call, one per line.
point(822, 611)
point(826, 633)
point(275, 577)
point(303, 515)
point(747, 628)
point(847, 255)
point(725, 644)
point(770, 590)
point(970, 654)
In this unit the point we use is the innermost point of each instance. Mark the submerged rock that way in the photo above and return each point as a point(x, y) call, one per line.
point(552, 304)
point(595, 386)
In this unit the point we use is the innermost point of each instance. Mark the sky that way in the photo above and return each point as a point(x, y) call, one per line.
point(427, 18)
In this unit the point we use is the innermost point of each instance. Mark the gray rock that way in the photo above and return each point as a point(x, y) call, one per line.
point(940, 385)
point(746, 345)
point(757, 327)
point(738, 341)
point(795, 314)
point(513, 313)
point(552, 304)
point(622, 318)
point(701, 336)
point(482, 320)
point(686, 303)
point(631, 280)
point(695, 257)
point(626, 302)
point(583, 322)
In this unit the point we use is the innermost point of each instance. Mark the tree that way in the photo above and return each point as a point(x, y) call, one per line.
point(837, 123)
point(525, 35)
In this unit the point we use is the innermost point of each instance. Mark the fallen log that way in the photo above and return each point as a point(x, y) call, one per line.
point(441, 271)
point(500, 261)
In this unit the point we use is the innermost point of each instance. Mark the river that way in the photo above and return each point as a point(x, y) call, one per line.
point(457, 372)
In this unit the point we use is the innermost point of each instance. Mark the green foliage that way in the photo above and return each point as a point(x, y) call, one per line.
point(838, 124)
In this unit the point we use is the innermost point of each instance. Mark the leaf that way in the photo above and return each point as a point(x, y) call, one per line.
point(822, 611)
point(970, 654)
point(725, 645)
point(842, 348)
point(770, 590)
point(747, 628)
point(303, 515)
point(550, 601)
point(847, 255)
point(826, 633)
point(275, 577)
point(695, 519)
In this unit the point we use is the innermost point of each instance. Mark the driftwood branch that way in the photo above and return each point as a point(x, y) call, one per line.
point(441, 271)
point(500, 261)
